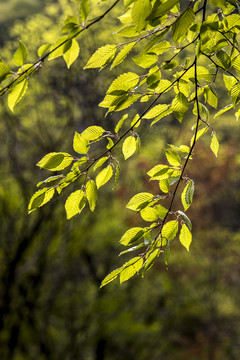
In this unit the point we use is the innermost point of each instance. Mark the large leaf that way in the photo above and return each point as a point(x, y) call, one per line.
point(139, 201)
point(72, 52)
point(104, 176)
point(132, 235)
point(131, 268)
point(185, 236)
point(40, 198)
point(75, 203)
point(55, 161)
point(180, 106)
point(17, 92)
point(101, 57)
point(20, 55)
point(140, 11)
point(182, 25)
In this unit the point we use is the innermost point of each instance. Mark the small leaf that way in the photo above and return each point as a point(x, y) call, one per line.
point(139, 201)
point(235, 93)
point(149, 214)
point(156, 111)
point(129, 147)
point(120, 123)
point(185, 219)
point(150, 259)
point(20, 55)
point(50, 179)
point(40, 198)
point(80, 144)
point(214, 145)
point(58, 48)
point(131, 268)
point(100, 162)
point(92, 132)
point(101, 57)
point(72, 53)
point(17, 92)
point(187, 195)
point(91, 194)
point(169, 231)
point(75, 203)
point(173, 158)
point(180, 106)
point(55, 161)
point(132, 235)
point(104, 176)
point(122, 54)
point(4, 71)
point(185, 236)
point(84, 9)
point(110, 277)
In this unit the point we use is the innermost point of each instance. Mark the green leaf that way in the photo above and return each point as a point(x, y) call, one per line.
point(187, 195)
point(91, 194)
point(182, 25)
point(92, 133)
point(161, 211)
point(75, 203)
point(20, 55)
point(101, 57)
point(84, 9)
point(160, 9)
point(55, 161)
point(149, 214)
point(164, 185)
point(140, 11)
point(104, 176)
point(185, 236)
point(17, 92)
point(40, 198)
point(128, 31)
point(173, 158)
point(169, 231)
point(156, 111)
point(150, 259)
point(214, 144)
point(211, 96)
point(100, 162)
point(185, 219)
point(131, 268)
point(158, 172)
point(72, 53)
point(50, 179)
point(122, 54)
point(235, 93)
point(43, 49)
point(180, 106)
point(139, 201)
point(223, 110)
point(224, 59)
point(58, 48)
point(120, 123)
point(129, 147)
point(229, 81)
point(110, 277)
point(4, 71)
point(80, 144)
point(132, 235)
point(145, 60)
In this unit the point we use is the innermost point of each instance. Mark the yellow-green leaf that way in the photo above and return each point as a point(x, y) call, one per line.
point(104, 176)
point(139, 201)
point(92, 194)
point(55, 161)
point(214, 145)
point(80, 144)
point(92, 133)
point(40, 198)
point(75, 203)
point(17, 92)
point(132, 235)
point(129, 147)
point(72, 53)
point(185, 236)
point(131, 268)
point(20, 55)
point(101, 57)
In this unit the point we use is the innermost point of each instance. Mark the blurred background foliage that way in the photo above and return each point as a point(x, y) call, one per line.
point(50, 269)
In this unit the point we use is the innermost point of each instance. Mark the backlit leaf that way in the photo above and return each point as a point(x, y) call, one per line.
point(214, 145)
point(75, 203)
point(20, 55)
point(101, 57)
point(72, 53)
point(92, 132)
point(104, 176)
point(185, 236)
point(91, 194)
point(132, 235)
point(40, 198)
point(129, 147)
point(17, 92)
point(139, 201)
point(131, 268)
point(55, 161)
point(80, 144)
